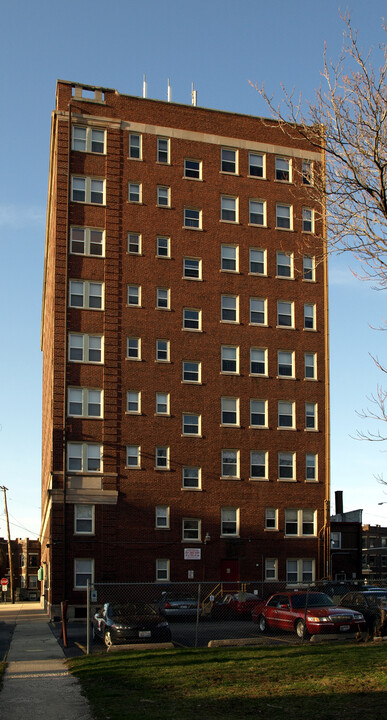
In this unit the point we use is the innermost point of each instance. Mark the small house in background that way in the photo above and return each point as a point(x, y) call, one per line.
point(25, 568)
point(346, 542)
point(374, 552)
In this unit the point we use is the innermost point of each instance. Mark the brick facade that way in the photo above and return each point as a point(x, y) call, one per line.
point(121, 536)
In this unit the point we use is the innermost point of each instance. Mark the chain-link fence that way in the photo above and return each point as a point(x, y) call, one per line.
point(201, 614)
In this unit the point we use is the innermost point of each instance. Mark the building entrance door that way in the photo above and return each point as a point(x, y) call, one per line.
point(229, 573)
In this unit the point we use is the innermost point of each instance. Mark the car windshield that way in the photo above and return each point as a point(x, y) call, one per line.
point(312, 600)
point(375, 598)
point(129, 609)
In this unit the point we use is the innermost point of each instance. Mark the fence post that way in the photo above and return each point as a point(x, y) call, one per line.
point(306, 612)
point(88, 618)
point(197, 616)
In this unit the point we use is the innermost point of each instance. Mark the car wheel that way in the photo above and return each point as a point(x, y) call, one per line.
point(108, 639)
point(300, 629)
point(262, 623)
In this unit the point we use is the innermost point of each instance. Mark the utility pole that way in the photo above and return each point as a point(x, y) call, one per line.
point(4, 489)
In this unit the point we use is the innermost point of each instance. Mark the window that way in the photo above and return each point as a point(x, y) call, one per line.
point(258, 465)
point(162, 516)
point(284, 217)
point(307, 172)
point(85, 348)
point(21, 560)
point(88, 139)
point(162, 403)
point(162, 350)
point(230, 359)
point(256, 165)
point(284, 264)
point(307, 220)
point(83, 402)
point(164, 196)
point(271, 569)
point(309, 317)
point(257, 261)
point(191, 319)
point(86, 294)
point(83, 572)
point(134, 192)
point(285, 314)
point(134, 243)
point(310, 366)
point(229, 521)
point(335, 540)
point(192, 268)
point(229, 258)
point(286, 466)
point(311, 416)
point(286, 414)
point(258, 413)
point(229, 411)
point(228, 160)
point(285, 364)
point(257, 212)
point(191, 371)
point(258, 311)
point(229, 209)
point(229, 308)
point(162, 570)
point(163, 247)
point(191, 478)
point(191, 424)
point(84, 519)
point(162, 150)
point(258, 361)
point(133, 402)
point(300, 570)
point(162, 458)
point(283, 169)
point(88, 190)
point(163, 298)
point(311, 467)
point(191, 529)
point(133, 348)
point(271, 519)
point(230, 463)
point(87, 241)
point(300, 522)
point(133, 456)
point(33, 560)
point(134, 146)
point(84, 457)
point(192, 218)
point(134, 295)
point(308, 267)
point(193, 169)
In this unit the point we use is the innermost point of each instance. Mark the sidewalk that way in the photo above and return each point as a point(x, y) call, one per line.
point(36, 682)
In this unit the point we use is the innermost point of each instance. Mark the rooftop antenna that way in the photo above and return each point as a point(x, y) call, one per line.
point(194, 96)
point(169, 93)
point(144, 87)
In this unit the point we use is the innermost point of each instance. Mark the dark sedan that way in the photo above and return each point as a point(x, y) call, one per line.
point(372, 604)
point(306, 613)
point(130, 623)
point(233, 606)
point(182, 605)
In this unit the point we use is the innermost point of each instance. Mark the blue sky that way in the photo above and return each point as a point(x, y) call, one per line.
point(219, 45)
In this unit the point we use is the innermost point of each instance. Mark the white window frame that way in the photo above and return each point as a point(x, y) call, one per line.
point(190, 173)
point(224, 301)
point(160, 240)
point(136, 198)
point(226, 462)
point(192, 268)
point(78, 572)
point(233, 259)
point(87, 455)
point(258, 308)
point(133, 298)
point(285, 265)
point(261, 262)
point(88, 241)
point(186, 370)
point(229, 354)
point(255, 215)
point(133, 451)
point(311, 414)
point(192, 218)
point(286, 415)
point(163, 196)
point(307, 220)
point(84, 397)
point(80, 516)
point(89, 140)
point(133, 402)
point(281, 312)
point(162, 517)
point(188, 422)
point(192, 324)
point(163, 154)
point(300, 522)
point(254, 454)
point(309, 316)
point(162, 455)
point(89, 190)
point(258, 174)
point(229, 209)
point(163, 354)
point(307, 172)
point(196, 477)
point(281, 363)
point(308, 366)
point(191, 534)
point(162, 570)
point(88, 294)
point(300, 571)
point(283, 167)
point(311, 467)
point(287, 477)
point(271, 569)
point(134, 241)
point(133, 348)
point(227, 162)
point(84, 346)
point(162, 401)
point(229, 406)
point(309, 268)
point(252, 360)
point(229, 515)
point(254, 411)
point(284, 221)
point(271, 518)
point(133, 148)
point(163, 298)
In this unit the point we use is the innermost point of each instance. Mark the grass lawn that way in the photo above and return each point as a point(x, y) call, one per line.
point(323, 681)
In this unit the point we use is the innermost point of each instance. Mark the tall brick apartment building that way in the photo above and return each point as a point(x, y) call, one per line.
point(185, 346)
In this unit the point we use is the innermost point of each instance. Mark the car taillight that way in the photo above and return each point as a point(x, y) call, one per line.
point(167, 605)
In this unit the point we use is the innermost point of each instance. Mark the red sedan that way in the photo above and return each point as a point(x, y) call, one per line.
point(286, 612)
